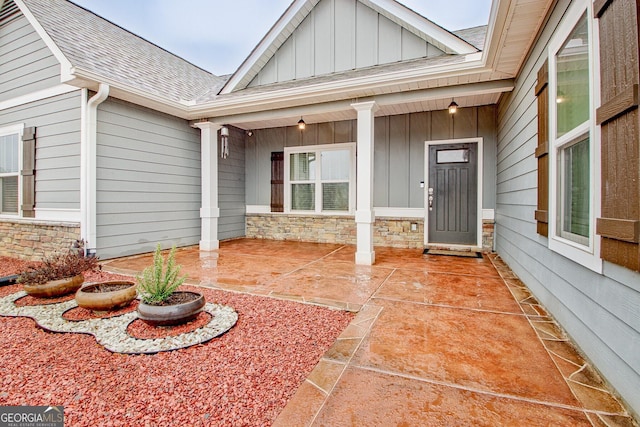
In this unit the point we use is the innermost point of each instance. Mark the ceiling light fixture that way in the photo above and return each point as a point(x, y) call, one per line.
point(453, 107)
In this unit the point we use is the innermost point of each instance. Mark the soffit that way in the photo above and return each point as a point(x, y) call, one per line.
point(513, 32)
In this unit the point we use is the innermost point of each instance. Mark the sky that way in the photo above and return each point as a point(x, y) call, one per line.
point(218, 35)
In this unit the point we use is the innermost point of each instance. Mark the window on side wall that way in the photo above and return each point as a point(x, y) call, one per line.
point(320, 179)
point(573, 140)
point(10, 159)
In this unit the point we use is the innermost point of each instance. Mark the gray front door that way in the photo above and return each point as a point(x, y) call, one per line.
point(452, 193)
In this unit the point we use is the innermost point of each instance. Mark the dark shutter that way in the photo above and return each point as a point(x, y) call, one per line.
point(28, 172)
point(619, 224)
point(277, 181)
point(542, 150)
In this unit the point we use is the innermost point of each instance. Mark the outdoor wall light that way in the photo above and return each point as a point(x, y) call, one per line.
point(301, 124)
point(453, 107)
point(249, 133)
point(224, 142)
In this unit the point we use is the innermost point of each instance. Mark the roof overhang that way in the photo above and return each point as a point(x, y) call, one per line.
point(513, 27)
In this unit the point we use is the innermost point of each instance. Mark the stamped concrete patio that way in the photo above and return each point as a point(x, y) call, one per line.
point(438, 340)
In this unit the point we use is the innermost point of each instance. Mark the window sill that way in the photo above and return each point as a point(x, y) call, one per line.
point(582, 255)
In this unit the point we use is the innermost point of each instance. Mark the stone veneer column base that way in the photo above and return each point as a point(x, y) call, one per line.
point(34, 240)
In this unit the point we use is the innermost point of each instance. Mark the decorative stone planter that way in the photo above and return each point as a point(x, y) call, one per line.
point(55, 288)
point(106, 296)
point(181, 307)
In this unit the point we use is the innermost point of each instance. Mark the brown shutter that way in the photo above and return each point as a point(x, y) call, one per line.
point(619, 225)
point(542, 150)
point(277, 181)
point(28, 172)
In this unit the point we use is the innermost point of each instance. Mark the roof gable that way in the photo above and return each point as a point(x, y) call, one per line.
point(316, 37)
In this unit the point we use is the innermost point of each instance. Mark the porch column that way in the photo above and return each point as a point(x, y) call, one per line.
point(209, 212)
point(365, 216)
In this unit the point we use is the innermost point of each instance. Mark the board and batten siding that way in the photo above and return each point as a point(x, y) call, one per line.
point(148, 180)
point(599, 311)
point(340, 35)
point(57, 123)
point(398, 151)
point(399, 145)
point(231, 188)
point(26, 63)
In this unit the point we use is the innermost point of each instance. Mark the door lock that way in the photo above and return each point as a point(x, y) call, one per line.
point(430, 198)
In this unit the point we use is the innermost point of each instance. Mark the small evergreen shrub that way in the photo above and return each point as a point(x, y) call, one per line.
point(157, 283)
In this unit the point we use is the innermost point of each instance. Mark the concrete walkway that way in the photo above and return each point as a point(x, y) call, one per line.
point(437, 340)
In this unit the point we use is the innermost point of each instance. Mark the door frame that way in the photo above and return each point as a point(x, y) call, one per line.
point(480, 172)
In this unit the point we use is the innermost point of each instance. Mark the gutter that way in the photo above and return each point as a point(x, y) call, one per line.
point(88, 156)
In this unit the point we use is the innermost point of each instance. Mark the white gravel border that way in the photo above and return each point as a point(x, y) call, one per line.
point(112, 332)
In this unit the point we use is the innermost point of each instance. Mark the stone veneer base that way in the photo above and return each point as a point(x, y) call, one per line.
point(392, 232)
point(33, 240)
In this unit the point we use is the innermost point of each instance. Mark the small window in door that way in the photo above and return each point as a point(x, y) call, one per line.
point(453, 156)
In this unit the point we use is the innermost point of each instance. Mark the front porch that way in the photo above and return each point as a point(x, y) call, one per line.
point(437, 339)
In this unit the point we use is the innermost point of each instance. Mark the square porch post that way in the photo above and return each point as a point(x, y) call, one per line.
point(365, 216)
point(209, 212)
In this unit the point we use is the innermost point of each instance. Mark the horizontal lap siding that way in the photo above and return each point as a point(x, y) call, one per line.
point(57, 123)
point(26, 64)
point(148, 180)
point(598, 311)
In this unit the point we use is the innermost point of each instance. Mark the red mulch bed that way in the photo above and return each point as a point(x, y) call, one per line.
point(10, 266)
point(244, 377)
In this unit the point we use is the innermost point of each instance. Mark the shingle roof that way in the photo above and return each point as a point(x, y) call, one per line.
point(408, 65)
point(474, 36)
point(96, 45)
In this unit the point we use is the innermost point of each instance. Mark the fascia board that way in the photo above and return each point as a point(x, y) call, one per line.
point(87, 79)
point(475, 65)
point(500, 10)
point(65, 64)
point(469, 89)
point(419, 25)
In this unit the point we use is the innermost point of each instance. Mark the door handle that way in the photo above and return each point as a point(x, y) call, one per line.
point(430, 198)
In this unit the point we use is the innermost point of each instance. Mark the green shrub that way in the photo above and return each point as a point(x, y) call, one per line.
point(157, 283)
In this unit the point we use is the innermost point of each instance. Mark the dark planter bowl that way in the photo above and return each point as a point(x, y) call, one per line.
point(91, 298)
point(168, 315)
point(55, 288)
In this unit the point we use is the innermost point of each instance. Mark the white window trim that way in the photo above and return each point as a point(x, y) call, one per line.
point(351, 146)
point(11, 130)
point(586, 255)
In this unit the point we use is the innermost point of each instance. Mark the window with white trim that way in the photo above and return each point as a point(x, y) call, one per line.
point(573, 144)
point(320, 178)
point(10, 160)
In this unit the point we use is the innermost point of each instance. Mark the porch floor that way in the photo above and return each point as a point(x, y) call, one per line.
point(438, 340)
